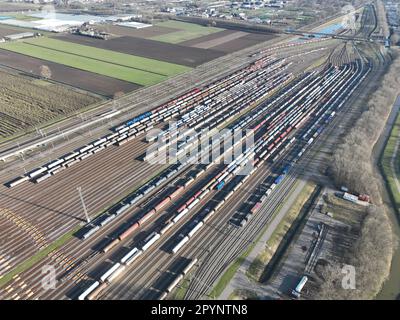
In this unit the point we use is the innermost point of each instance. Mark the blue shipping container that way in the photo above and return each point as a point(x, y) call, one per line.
point(220, 185)
point(138, 118)
point(279, 179)
point(286, 168)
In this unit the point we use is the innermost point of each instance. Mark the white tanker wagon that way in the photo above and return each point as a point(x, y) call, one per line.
point(296, 292)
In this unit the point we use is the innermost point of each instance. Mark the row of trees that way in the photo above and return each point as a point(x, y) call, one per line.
point(352, 166)
point(382, 19)
point(370, 256)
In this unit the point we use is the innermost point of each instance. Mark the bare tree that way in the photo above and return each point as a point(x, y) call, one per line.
point(371, 257)
point(351, 164)
point(45, 72)
point(118, 94)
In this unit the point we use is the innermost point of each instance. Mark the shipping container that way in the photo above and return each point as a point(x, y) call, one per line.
point(147, 216)
point(17, 181)
point(180, 215)
point(220, 185)
point(128, 231)
point(85, 293)
point(195, 229)
point(151, 240)
point(189, 266)
point(126, 257)
point(180, 244)
point(37, 172)
point(166, 227)
point(174, 283)
point(279, 179)
point(108, 220)
point(96, 292)
point(122, 209)
point(90, 232)
point(116, 273)
point(110, 271)
point(42, 178)
point(111, 245)
point(133, 258)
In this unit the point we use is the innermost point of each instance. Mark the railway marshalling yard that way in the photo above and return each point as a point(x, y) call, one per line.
point(152, 224)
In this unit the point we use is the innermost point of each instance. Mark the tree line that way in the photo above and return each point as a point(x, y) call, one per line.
point(352, 166)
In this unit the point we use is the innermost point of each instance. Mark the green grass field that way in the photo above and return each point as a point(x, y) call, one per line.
point(23, 17)
point(104, 68)
point(117, 65)
point(131, 61)
point(390, 174)
point(187, 31)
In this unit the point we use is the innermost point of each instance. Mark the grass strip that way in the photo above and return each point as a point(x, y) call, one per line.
point(233, 268)
point(389, 174)
point(256, 268)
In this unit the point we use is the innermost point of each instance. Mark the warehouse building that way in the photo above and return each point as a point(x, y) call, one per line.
point(18, 36)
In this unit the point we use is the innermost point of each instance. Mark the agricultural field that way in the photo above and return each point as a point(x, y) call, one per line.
point(22, 17)
point(186, 31)
point(7, 29)
point(162, 51)
point(185, 34)
point(25, 102)
point(218, 38)
point(87, 64)
point(250, 39)
point(196, 42)
point(145, 33)
point(127, 61)
point(84, 80)
point(139, 70)
point(228, 41)
point(135, 62)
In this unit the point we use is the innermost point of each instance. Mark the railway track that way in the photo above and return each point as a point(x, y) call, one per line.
point(82, 273)
point(86, 178)
point(67, 205)
point(143, 99)
point(196, 290)
point(198, 293)
point(89, 177)
point(202, 287)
